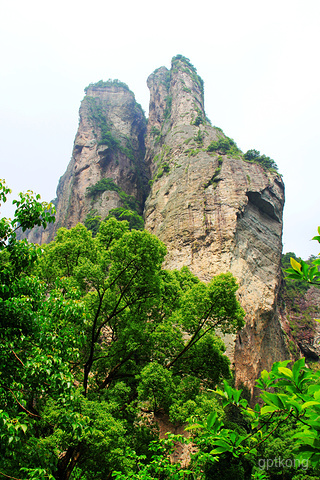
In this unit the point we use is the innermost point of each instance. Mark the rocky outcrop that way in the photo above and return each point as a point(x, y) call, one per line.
point(107, 168)
point(215, 212)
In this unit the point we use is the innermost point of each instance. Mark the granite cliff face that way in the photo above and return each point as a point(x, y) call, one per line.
point(214, 211)
point(107, 157)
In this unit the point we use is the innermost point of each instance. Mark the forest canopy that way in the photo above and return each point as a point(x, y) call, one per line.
point(99, 343)
point(93, 333)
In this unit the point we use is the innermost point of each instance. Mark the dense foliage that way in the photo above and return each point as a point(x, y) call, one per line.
point(291, 399)
point(96, 338)
point(128, 211)
point(226, 146)
point(98, 342)
point(108, 184)
point(103, 128)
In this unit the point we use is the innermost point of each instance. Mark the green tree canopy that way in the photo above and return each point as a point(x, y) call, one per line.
point(92, 330)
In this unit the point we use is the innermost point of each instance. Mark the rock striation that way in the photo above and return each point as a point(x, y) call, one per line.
point(215, 211)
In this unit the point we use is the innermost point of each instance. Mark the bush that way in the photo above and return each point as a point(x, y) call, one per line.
point(255, 157)
point(107, 184)
point(167, 110)
point(101, 186)
point(224, 146)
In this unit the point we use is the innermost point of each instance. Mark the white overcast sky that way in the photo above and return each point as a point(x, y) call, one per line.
point(259, 61)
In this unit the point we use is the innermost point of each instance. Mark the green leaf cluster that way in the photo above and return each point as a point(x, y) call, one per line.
point(306, 271)
point(290, 398)
point(134, 220)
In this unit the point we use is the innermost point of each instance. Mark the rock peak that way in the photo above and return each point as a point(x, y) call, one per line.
point(107, 170)
point(215, 211)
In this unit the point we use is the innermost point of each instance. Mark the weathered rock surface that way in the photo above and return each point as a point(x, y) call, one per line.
point(109, 144)
point(215, 213)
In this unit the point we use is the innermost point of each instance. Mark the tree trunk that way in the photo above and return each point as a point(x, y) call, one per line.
point(67, 462)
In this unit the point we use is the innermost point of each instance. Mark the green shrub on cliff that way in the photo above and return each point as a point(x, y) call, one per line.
point(101, 186)
point(167, 110)
point(108, 184)
point(255, 157)
point(224, 146)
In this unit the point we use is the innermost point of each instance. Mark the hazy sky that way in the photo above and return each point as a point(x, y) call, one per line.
point(259, 61)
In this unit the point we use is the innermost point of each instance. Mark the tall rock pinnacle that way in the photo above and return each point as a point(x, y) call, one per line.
point(107, 168)
point(215, 212)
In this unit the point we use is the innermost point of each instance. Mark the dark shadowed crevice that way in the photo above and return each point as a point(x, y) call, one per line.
point(264, 206)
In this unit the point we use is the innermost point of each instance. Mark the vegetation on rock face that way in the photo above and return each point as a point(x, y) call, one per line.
point(98, 116)
point(167, 111)
point(108, 184)
point(108, 83)
point(200, 119)
point(155, 132)
point(179, 60)
point(214, 180)
point(101, 186)
point(255, 157)
point(134, 220)
point(224, 146)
